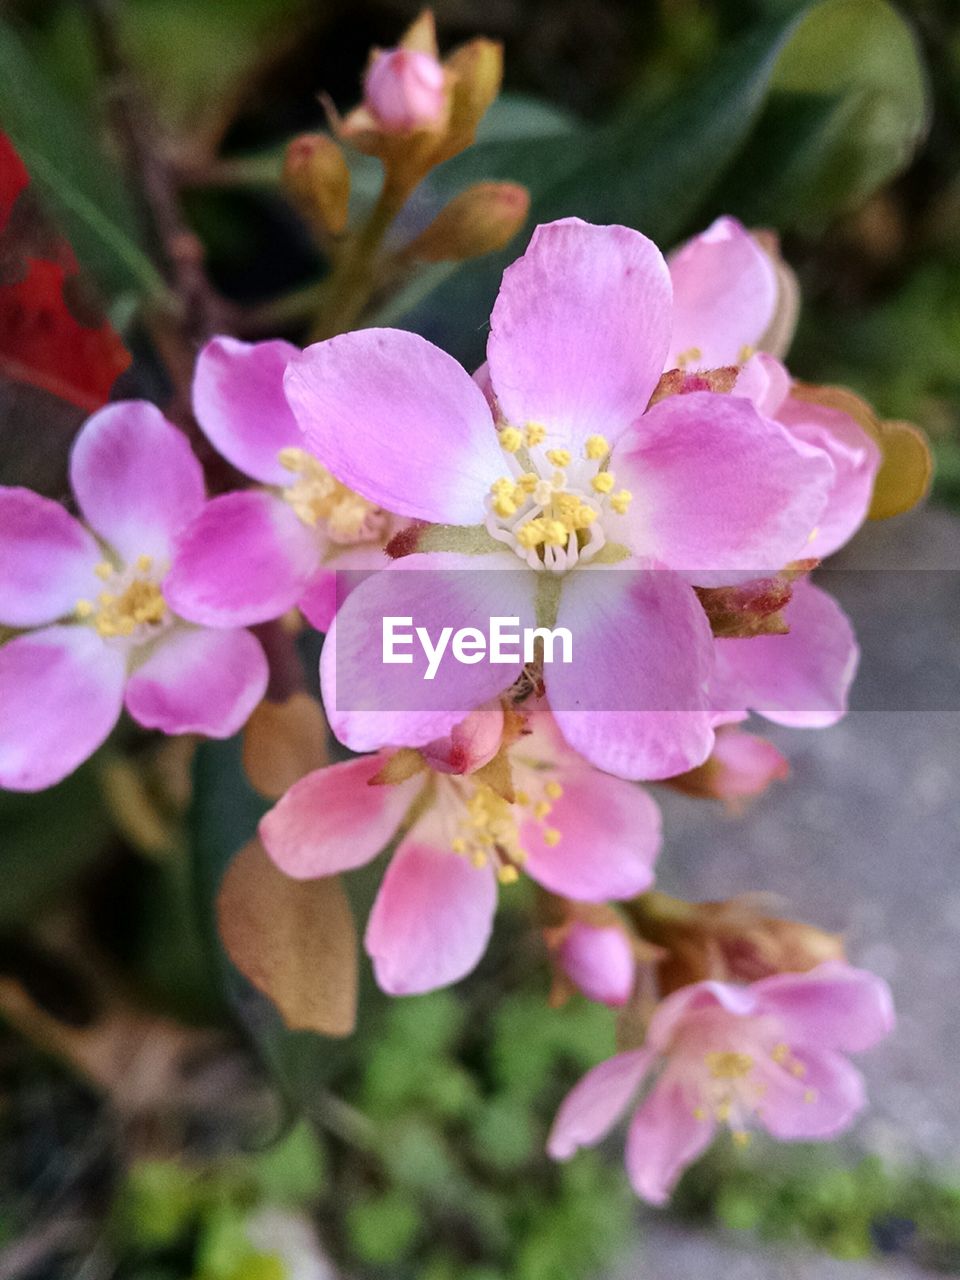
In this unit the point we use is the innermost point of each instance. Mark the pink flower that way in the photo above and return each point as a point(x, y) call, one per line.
point(769, 1054)
point(566, 472)
point(599, 961)
point(251, 555)
point(577, 832)
point(726, 294)
point(405, 90)
point(99, 630)
point(800, 679)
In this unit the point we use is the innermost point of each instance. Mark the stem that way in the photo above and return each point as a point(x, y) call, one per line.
point(351, 284)
point(650, 912)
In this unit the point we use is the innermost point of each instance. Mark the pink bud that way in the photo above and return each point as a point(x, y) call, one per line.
point(405, 90)
point(744, 765)
point(472, 743)
point(598, 961)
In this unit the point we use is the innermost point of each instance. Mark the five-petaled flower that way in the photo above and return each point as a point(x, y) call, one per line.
point(769, 1054)
point(558, 466)
point(99, 632)
point(252, 554)
point(577, 832)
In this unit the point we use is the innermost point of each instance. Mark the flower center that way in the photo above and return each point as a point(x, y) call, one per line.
point(552, 509)
point(316, 496)
point(130, 605)
point(488, 829)
point(732, 1091)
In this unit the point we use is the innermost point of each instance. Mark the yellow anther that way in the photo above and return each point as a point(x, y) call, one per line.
point(691, 356)
point(722, 1111)
point(292, 459)
point(555, 533)
point(699, 1113)
point(553, 790)
point(603, 482)
point(84, 608)
point(810, 1097)
point(458, 845)
point(508, 874)
point(106, 599)
point(559, 457)
point(585, 516)
point(596, 448)
point(511, 439)
point(144, 564)
point(621, 501)
point(798, 1069)
point(528, 482)
point(530, 535)
point(729, 1065)
point(741, 1137)
point(479, 859)
point(505, 507)
point(542, 808)
point(746, 351)
point(521, 797)
point(780, 1052)
point(103, 570)
point(551, 837)
point(536, 433)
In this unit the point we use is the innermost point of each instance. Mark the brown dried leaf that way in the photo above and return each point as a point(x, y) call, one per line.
point(295, 940)
point(284, 741)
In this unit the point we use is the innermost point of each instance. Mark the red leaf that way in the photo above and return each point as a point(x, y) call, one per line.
point(42, 343)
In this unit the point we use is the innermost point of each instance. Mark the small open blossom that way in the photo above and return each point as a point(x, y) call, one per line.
point(726, 297)
point(575, 831)
point(559, 468)
point(768, 1055)
point(99, 630)
point(405, 89)
point(251, 555)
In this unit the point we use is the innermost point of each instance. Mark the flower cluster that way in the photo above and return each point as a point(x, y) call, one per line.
point(634, 464)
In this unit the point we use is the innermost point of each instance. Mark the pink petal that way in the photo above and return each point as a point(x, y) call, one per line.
point(334, 820)
point(743, 765)
point(470, 744)
point(579, 331)
point(318, 604)
point(433, 916)
point(61, 691)
point(245, 558)
point(832, 1006)
point(600, 962)
point(595, 1104)
point(199, 681)
point(399, 421)
point(718, 488)
point(239, 403)
point(136, 479)
point(610, 836)
point(633, 701)
point(800, 679)
point(46, 559)
point(371, 704)
point(821, 1104)
point(724, 296)
point(856, 460)
point(765, 381)
point(693, 1002)
point(664, 1137)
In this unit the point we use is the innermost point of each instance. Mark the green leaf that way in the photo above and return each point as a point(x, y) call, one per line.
point(659, 168)
point(48, 840)
point(66, 163)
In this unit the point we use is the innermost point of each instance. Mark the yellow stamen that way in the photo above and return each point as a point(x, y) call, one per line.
point(810, 1097)
point(551, 837)
point(596, 448)
point(144, 564)
point(553, 790)
point(508, 874)
point(621, 501)
point(542, 808)
point(729, 1065)
point(603, 482)
point(559, 457)
point(511, 439)
point(536, 433)
point(84, 608)
point(103, 570)
point(741, 1137)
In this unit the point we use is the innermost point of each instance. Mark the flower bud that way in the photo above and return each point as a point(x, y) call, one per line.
point(741, 765)
point(405, 90)
point(480, 220)
point(599, 961)
point(317, 180)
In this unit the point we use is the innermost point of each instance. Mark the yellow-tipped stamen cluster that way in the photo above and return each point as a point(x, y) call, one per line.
point(555, 512)
point(316, 496)
point(490, 830)
point(733, 1094)
point(693, 355)
point(134, 605)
